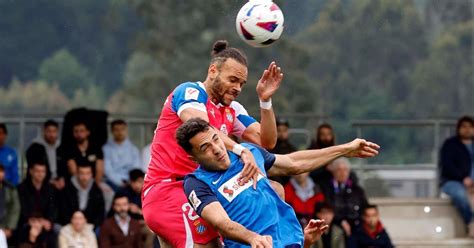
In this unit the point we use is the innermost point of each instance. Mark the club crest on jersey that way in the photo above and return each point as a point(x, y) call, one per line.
point(191, 94)
point(200, 228)
point(229, 116)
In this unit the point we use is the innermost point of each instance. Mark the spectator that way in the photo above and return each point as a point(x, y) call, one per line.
point(84, 150)
point(37, 196)
point(120, 156)
point(457, 168)
point(334, 236)
point(133, 193)
point(371, 233)
point(302, 194)
point(283, 146)
point(8, 157)
point(36, 233)
point(9, 206)
point(77, 233)
point(146, 156)
point(324, 137)
point(120, 230)
point(44, 148)
point(345, 194)
point(83, 193)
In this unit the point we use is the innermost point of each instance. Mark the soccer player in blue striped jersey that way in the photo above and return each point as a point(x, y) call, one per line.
point(243, 215)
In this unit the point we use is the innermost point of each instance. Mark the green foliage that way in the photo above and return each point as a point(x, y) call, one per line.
point(62, 68)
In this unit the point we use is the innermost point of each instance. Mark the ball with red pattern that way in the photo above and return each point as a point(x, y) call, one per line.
point(259, 23)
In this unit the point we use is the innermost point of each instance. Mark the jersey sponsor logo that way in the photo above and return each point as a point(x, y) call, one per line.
point(191, 94)
point(224, 129)
point(232, 188)
point(194, 200)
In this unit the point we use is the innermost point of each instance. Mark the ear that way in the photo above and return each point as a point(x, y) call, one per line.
point(212, 71)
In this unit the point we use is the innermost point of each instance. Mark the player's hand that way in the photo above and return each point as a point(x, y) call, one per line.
point(360, 148)
point(264, 241)
point(269, 82)
point(251, 170)
point(313, 231)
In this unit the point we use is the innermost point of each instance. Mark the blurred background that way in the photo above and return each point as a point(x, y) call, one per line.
point(398, 72)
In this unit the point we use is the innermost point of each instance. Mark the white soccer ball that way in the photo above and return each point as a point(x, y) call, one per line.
point(259, 23)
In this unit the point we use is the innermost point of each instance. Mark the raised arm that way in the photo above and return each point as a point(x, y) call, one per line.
point(309, 160)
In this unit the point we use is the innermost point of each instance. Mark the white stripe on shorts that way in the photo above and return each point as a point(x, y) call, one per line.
point(189, 235)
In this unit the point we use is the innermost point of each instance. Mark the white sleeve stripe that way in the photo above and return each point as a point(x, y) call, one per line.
point(193, 105)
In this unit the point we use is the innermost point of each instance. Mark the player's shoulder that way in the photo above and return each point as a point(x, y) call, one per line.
point(194, 85)
point(238, 108)
point(190, 91)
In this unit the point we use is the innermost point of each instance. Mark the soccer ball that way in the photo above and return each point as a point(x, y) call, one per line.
point(259, 23)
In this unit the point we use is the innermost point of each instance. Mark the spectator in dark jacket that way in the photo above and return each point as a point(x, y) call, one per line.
point(457, 168)
point(83, 193)
point(35, 233)
point(334, 236)
point(37, 196)
point(283, 146)
point(9, 205)
point(324, 138)
point(345, 194)
point(44, 148)
point(133, 193)
point(120, 230)
point(371, 233)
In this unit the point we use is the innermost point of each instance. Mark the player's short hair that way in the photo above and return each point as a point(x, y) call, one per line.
point(369, 206)
point(323, 205)
point(78, 123)
point(221, 52)
point(282, 122)
point(50, 123)
point(188, 130)
point(117, 122)
point(4, 128)
point(135, 174)
point(463, 120)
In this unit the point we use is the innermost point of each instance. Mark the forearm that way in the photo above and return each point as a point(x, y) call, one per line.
point(268, 130)
point(99, 170)
point(305, 161)
point(235, 231)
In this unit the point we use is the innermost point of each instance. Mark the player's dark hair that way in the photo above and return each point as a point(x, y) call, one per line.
point(2, 168)
point(135, 174)
point(188, 130)
point(462, 120)
point(221, 52)
point(117, 122)
point(4, 128)
point(78, 123)
point(50, 123)
point(369, 206)
point(323, 205)
point(83, 163)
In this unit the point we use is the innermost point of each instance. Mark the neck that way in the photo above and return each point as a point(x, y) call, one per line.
point(83, 144)
point(84, 186)
point(466, 141)
point(303, 183)
point(119, 141)
point(210, 93)
point(37, 184)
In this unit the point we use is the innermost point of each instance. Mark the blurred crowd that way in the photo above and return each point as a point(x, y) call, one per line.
point(83, 193)
point(74, 194)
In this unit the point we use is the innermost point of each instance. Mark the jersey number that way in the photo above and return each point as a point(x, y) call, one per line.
point(191, 213)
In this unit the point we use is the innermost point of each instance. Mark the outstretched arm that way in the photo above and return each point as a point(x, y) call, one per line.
point(309, 160)
point(265, 132)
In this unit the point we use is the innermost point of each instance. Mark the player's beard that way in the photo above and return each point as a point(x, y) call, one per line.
point(218, 92)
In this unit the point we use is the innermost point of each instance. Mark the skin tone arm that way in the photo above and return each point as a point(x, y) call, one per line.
point(265, 132)
point(72, 166)
point(215, 215)
point(251, 169)
point(308, 160)
point(99, 170)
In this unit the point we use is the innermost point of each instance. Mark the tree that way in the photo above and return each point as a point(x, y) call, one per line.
point(63, 69)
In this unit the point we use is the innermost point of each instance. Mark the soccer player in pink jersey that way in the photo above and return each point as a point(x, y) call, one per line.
point(165, 207)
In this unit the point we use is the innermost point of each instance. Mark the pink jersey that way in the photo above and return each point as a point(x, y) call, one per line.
point(168, 159)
